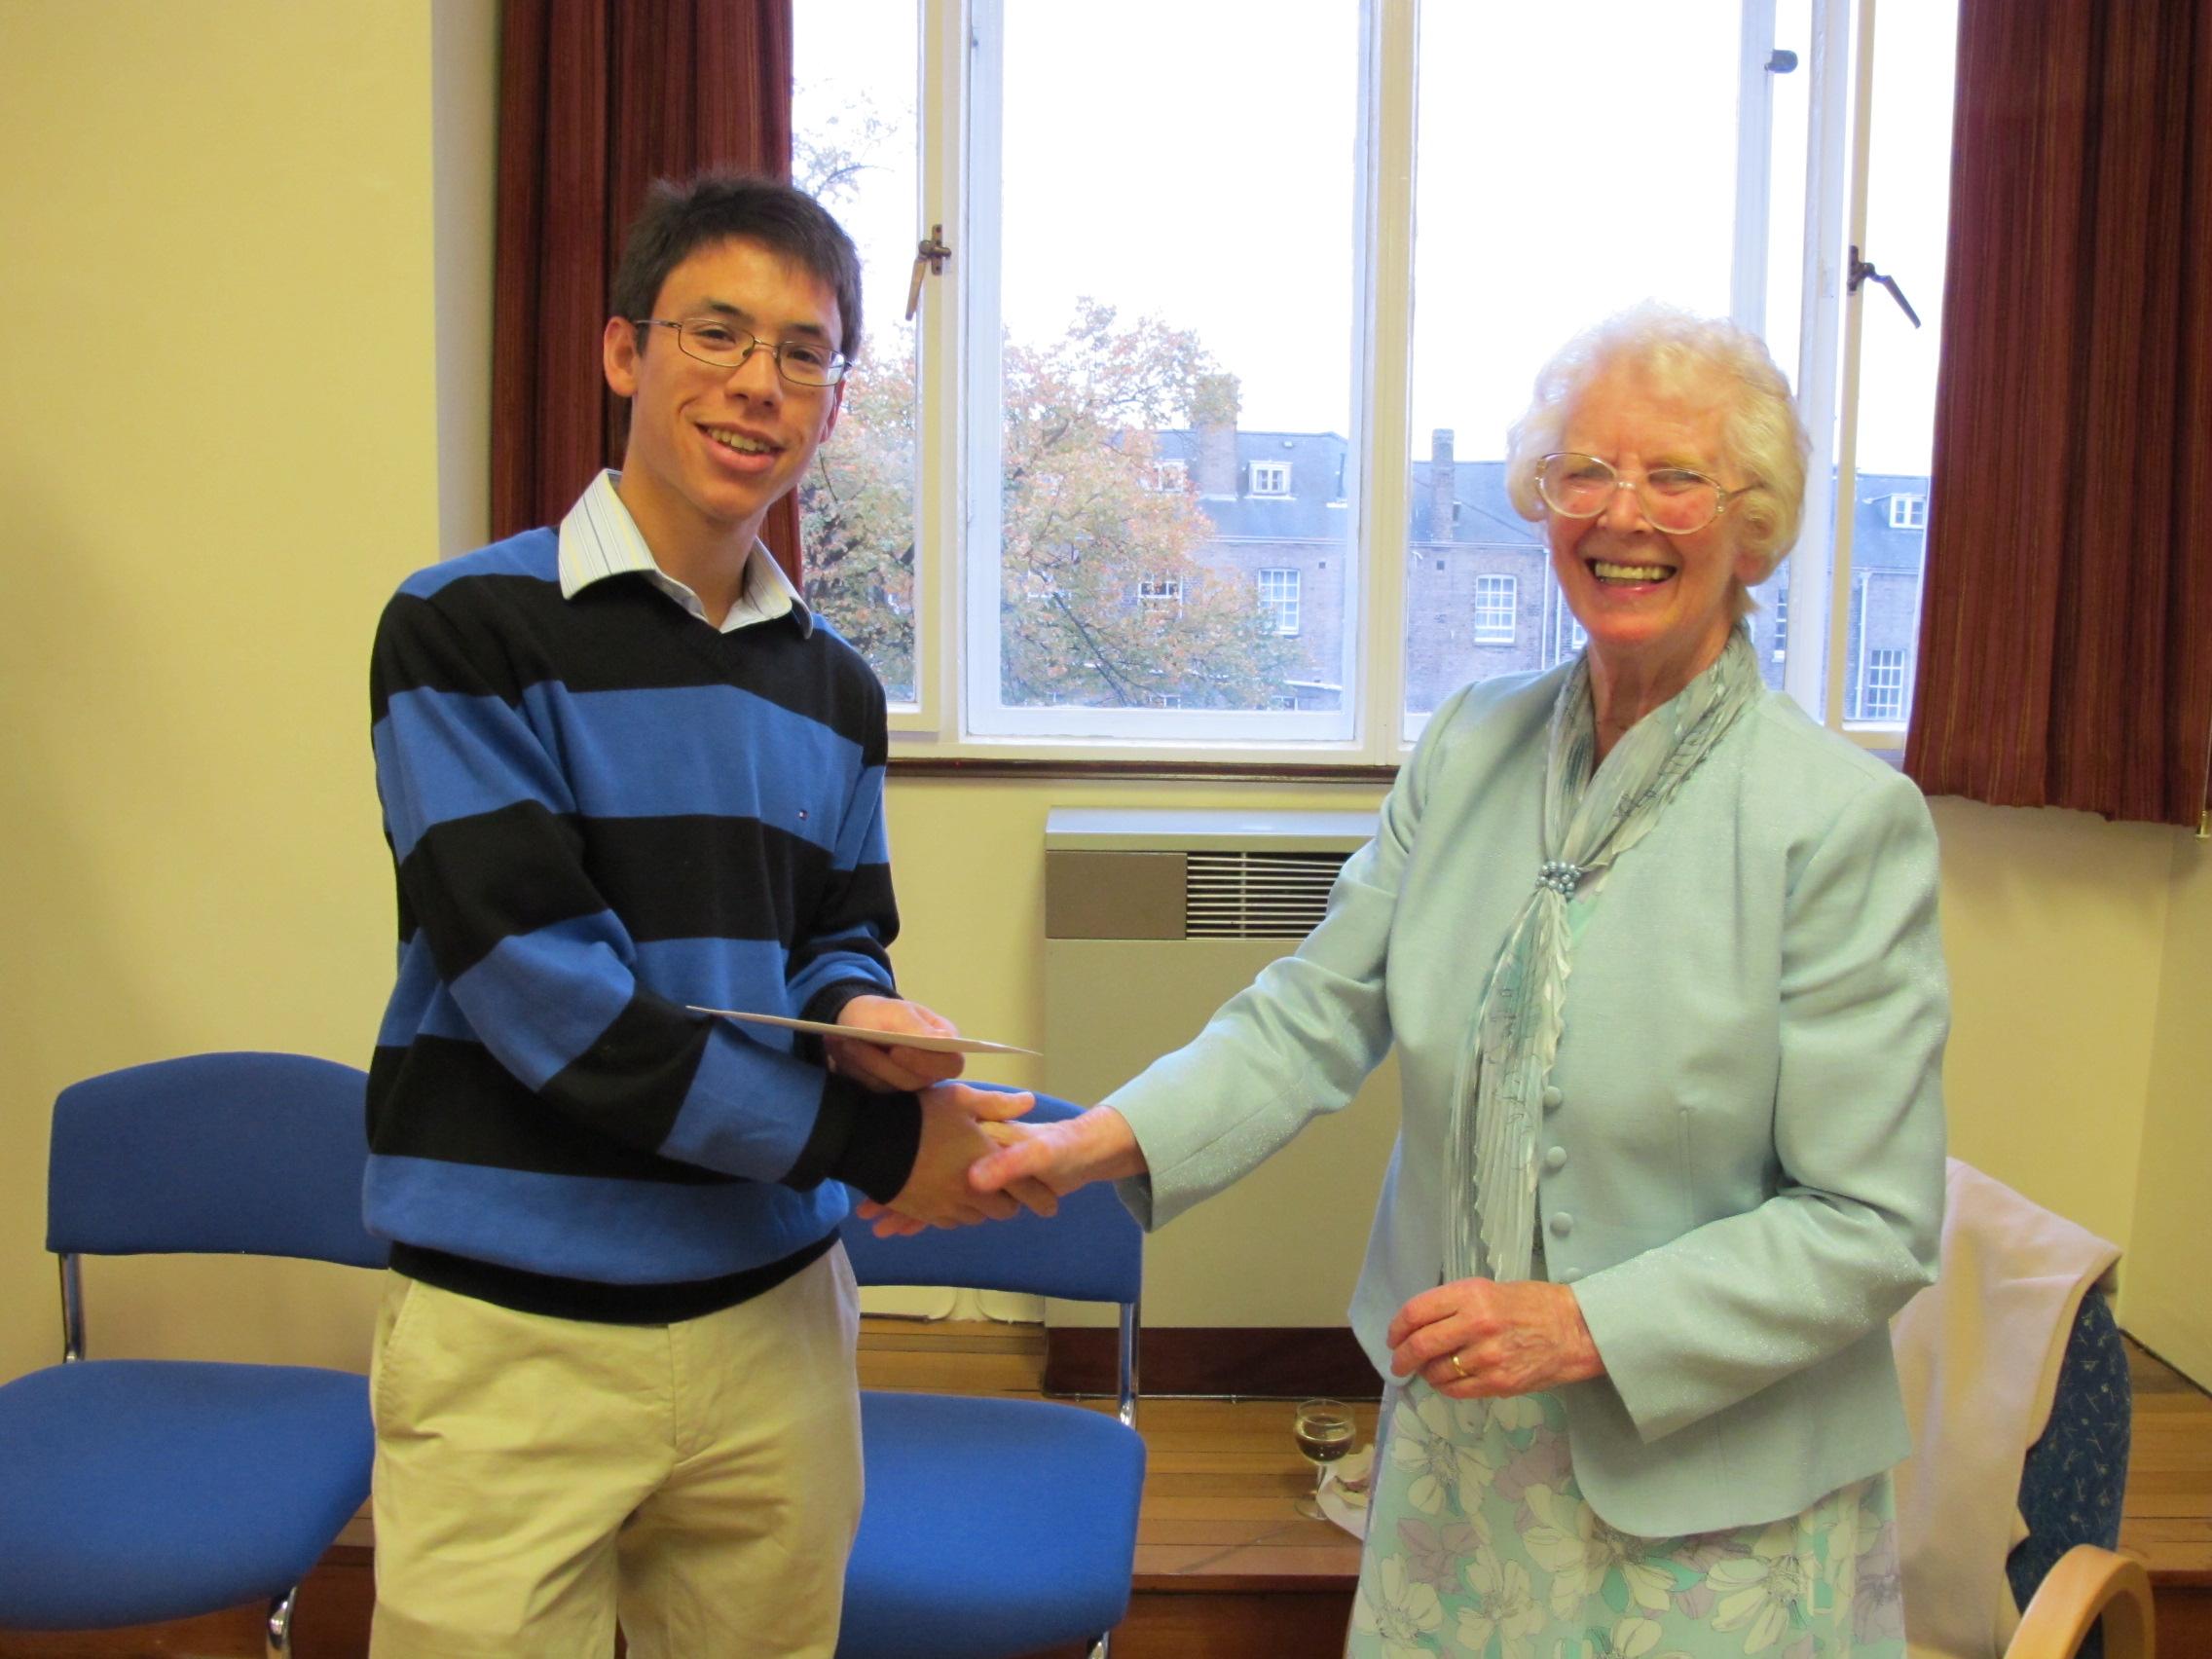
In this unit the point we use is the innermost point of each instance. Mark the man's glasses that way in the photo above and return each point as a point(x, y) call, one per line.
point(1676, 500)
point(802, 362)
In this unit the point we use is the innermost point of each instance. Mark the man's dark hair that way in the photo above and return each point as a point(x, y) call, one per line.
point(681, 218)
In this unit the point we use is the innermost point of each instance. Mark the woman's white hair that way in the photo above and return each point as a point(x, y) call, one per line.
point(1705, 361)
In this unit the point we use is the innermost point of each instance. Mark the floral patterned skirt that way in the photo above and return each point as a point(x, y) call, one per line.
point(1480, 1543)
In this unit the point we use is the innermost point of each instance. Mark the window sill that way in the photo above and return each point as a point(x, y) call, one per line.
point(997, 767)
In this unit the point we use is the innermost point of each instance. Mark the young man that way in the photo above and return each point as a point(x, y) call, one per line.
point(625, 769)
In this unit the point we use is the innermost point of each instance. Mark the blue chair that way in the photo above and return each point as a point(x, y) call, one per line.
point(996, 1528)
point(138, 1490)
point(2079, 1596)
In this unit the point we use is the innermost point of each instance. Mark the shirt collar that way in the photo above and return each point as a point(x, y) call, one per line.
point(599, 538)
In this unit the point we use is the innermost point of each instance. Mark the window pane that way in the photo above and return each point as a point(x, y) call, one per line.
point(1618, 170)
point(1907, 217)
point(853, 146)
point(1175, 199)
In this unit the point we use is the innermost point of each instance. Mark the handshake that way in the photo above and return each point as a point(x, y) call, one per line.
point(978, 1161)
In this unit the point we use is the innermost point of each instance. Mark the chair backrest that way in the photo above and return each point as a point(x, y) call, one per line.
point(2074, 1476)
point(1091, 1251)
point(230, 1151)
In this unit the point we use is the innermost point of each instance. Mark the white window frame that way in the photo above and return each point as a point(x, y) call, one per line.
point(1269, 477)
point(1160, 591)
point(1908, 511)
point(1284, 606)
point(1170, 478)
point(956, 645)
point(1829, 368)
point(1494, 591)
point(1876, 675)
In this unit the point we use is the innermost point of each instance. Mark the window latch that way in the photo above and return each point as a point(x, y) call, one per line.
point(930, 255)
point(1863, 271)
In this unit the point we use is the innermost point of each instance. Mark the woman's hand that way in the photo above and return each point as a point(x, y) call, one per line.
point(1476, 1339)
point(1096, 1146)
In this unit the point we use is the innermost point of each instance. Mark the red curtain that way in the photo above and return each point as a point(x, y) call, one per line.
point(598, 98)
point(2066, 627)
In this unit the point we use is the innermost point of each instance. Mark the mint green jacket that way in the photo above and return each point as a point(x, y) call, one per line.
point(1741, 1164)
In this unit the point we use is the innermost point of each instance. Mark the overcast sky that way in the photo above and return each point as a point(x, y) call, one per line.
point(1194, 160)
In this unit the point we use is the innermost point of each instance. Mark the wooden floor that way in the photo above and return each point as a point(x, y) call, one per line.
point(2167, 1517)
point(1225, 1567)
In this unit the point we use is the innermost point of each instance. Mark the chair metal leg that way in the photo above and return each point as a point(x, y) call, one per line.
point(276, 1635)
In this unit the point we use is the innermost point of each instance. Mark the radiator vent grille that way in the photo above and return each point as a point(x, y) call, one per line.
point(1256, 894)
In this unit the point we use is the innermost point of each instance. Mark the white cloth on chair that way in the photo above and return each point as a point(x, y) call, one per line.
point(1978, 1353)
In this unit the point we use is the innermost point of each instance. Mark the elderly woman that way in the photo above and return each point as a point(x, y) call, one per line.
point(1660, 959)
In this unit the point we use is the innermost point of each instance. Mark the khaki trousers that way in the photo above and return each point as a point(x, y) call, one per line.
point(537, 1477)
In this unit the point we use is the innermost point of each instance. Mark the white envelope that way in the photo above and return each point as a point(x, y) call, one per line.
point(882, 1039)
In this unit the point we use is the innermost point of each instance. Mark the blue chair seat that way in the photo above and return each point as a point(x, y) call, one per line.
point(136, 1491)
point(991, 1527)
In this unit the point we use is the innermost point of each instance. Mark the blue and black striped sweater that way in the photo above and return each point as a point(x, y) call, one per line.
point(599, 809)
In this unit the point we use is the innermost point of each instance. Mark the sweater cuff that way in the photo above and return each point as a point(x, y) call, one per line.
point(879, 1156)
point(827, 1004)
point(868, 1141)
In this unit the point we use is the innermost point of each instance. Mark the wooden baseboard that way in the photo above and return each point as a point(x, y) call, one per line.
point(1259, 1362)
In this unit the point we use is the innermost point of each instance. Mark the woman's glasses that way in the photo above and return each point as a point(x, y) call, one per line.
point(1676, 500)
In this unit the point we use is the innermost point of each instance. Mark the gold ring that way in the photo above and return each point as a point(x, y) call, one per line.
point(1454, 1357)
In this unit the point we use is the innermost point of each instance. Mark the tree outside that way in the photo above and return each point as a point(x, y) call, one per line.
point(857, 511)
point(1106, 599)
point(857, 515)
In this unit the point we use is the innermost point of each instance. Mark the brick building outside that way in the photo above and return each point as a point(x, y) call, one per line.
point(1480, 600)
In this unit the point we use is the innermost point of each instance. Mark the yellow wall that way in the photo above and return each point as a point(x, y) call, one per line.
point(969, 862)
point(245, 272)
point(220, 454)
point(2054, 929)
point(2169, 1302)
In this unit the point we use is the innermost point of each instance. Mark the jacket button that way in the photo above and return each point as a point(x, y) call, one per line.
point(1556, 1158)
point(1552, 1098)
point(1562, 1225)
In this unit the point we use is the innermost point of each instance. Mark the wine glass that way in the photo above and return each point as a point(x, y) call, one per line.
point(1323, 1430)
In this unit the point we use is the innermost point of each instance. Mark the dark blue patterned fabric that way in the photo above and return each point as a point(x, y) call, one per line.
point(2070, 1489)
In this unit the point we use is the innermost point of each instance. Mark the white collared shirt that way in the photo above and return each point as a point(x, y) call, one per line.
point(599, 538)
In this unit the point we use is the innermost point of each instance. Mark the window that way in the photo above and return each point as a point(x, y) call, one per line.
point(1494, 600)
point(853, 146)
point(1032, 483)
point(1857, 600)
point(1884, 696)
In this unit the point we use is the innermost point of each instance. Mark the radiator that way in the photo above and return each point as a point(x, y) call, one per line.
point(1153, 919)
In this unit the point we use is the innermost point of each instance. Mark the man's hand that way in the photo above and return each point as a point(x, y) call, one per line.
point(1476, 1339)
point(890, 1071)
point(936, 1194)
